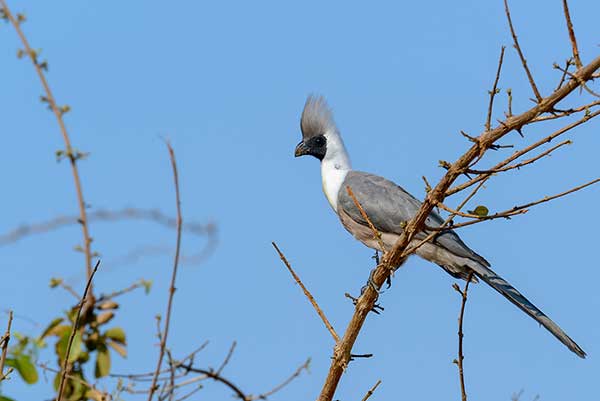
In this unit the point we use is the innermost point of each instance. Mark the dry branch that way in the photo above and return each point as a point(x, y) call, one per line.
point(312, 300)
point(461, 357)
point(4, 346)
point(164, 336)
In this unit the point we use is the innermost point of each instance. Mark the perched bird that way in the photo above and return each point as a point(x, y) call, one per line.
point(389, 207)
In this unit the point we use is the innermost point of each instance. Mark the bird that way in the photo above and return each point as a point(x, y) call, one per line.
point(389, 207)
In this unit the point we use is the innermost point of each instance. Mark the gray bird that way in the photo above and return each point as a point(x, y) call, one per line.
point(389, 207)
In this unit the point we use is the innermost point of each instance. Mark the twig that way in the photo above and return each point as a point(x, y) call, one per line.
point(209, 373)
point(4, 345)
point(163, 341)
point(227, 358)
point(461, 356)
point(78, 379)
point(312, 300)
point(69, 152)
point(523, 151)
point(494, 91)
point(371, 391)
point(114, 294)
point(521, 56)
point(578, 63)
point(66, 364)
point(376, 234)
point(287, 381)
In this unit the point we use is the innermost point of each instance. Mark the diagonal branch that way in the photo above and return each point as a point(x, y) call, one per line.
point(494, 91)
point(4, 346)
point(578, 63)
point(521, 56)
point(312, 300)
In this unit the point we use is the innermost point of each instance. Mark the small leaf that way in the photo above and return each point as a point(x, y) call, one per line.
point(51, 327)
point(481, 211)
point(147, 286)
point(104, 317)
point(108, 305)
point(55, 282)
point(117, 334)
point(94, 395)
point(118, 348)
point(102, 362)
point(26, 369)
point(3, 398)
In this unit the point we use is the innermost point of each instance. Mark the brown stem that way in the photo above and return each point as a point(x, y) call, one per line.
point(578, 63)
point(461, 356)
point(494, 90)
point(164, 336)
point(4, 345)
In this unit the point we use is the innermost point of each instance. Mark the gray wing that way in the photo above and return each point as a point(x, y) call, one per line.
point(389, 207)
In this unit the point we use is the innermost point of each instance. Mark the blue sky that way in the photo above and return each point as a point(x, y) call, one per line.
point(226, 82)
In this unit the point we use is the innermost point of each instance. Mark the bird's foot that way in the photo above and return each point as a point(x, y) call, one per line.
point(377, 309)
point(376, 257)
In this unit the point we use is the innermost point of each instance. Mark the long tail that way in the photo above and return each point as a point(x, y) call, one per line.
point(514, 296)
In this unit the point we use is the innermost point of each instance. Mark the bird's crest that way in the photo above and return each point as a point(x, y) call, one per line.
point(317, 118)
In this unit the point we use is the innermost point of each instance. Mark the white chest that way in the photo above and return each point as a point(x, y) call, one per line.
point(333, 176)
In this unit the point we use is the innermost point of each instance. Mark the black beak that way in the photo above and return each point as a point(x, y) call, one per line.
point(301, 149)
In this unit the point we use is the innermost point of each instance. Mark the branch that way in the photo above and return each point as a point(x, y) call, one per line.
point(376, 234)
point(578, 63)
point(521, 56)
point(69, 151)
point(287, 381)
point(66, 364)
point(395, 256)
point(461, 357)
point(371, 391)
point(4, 346)
point(494, 91)
point(312, 300)
point(163, 341)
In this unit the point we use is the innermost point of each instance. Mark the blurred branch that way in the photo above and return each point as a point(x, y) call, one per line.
point(312, 300)
point(69, 152)
point(494, 91)
point(163, 341)
point(66, 364)
point(576, 57)
point(128, 213)
point(4, 346)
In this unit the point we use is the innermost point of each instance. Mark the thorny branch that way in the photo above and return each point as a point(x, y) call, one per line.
point(576, 57)
point(163, 341)
point(376, 234)
point(69, 151)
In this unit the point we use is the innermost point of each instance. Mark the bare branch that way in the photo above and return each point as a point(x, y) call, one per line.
point(521, 56)
point(66, 364)
point(287, 381)
point(494, 91)
point(371, 391)
point(312, 300)
point(461, 356)
point(163, 341)
point(576, 57)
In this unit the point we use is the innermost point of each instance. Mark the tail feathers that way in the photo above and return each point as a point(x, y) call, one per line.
point(518, 299)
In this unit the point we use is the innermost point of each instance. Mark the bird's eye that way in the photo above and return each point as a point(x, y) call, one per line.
point(319, 141)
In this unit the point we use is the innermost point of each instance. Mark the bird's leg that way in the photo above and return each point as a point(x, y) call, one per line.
point(376, 308)
point(388, 280)
point(376, 257)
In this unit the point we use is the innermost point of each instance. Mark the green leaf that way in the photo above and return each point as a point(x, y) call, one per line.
point(26, 369)
point(3, 398)
point(62, 344)
point(102, 362)
point(481, 211)
point(117, 334)
point(51, 326)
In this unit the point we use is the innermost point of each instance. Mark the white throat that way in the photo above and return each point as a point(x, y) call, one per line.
point(334, 167)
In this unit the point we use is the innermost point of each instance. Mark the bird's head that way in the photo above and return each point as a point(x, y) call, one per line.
point(317, 126)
